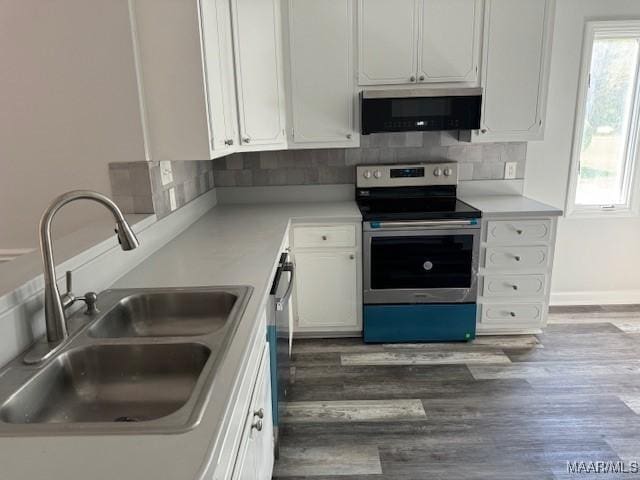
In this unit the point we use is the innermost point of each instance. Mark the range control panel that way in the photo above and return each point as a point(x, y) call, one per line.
point(409, 175)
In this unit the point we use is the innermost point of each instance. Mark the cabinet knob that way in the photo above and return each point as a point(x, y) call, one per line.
point(412, 78)
point(422, 78)
point(257, 425)
point(513, 314)
point(324, 237)
point(515, 287)
point(517, 258)
point(484, 130)
point(519, 232)
point(352, 257)
point(349, 136)
point(259, 413)
point(246, 139)
point(228, 142)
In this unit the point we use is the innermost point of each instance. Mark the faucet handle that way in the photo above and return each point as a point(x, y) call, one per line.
point(69, 280)
point(68, 298)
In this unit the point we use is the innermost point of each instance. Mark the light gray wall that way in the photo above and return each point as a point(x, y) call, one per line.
point(68, 107)
point(336, 166)
point(597, 260)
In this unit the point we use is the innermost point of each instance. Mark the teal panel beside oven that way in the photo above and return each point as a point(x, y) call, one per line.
point(419, 323)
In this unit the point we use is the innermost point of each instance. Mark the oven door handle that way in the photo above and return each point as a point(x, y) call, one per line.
point(424, 224)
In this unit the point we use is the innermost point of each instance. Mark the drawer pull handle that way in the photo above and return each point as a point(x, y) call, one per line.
point(257, 425)
point(515, 287)
point(324, 237)
point(517, 258)
point(259, 413)
point(513, 314)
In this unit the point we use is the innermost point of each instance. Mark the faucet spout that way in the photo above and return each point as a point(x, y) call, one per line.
point(53, 304)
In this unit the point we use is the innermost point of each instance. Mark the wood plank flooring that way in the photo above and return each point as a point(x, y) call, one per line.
point(507, 408)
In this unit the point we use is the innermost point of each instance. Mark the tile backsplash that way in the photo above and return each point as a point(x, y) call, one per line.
point(159, 187)
point(336, 166)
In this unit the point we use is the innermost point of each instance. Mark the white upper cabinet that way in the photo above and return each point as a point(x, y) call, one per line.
point(322, 96)
point(419, 41)
point(388, 41)
point(168, 55)
point(220, 81)
point(258, 60)
point(449, 40)
point(517, 45)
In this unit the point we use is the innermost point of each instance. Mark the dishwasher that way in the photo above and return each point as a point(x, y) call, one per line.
point(278, 333)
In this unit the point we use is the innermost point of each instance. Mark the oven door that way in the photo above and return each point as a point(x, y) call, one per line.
point(421, 262)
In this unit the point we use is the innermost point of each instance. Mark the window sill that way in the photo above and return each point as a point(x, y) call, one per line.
point(601, 214)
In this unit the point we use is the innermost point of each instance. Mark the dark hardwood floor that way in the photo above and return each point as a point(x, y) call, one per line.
point(499, 408)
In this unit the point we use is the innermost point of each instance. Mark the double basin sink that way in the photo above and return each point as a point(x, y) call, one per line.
point(144, 364)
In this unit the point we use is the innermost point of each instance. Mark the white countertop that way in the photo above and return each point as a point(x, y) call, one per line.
point(510, 205)
point(230, 245)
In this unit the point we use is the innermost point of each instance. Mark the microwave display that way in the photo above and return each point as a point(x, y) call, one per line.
point(420, 113)
point(419, 107)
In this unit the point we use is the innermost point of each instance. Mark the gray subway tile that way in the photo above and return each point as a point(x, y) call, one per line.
point(269, 160)
point(465, 171)
point(244, 178)
point(234, 162)
point(224, 178)
point(124, 202)
point(143, 204)
point(464, 153)
point(353, 156)
point(120, 179)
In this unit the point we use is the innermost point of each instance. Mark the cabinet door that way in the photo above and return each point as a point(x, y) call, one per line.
point(168, 50)
point(515, 69)
point(323, 100)
point(326, 286)
point(449, 40)
point(221, 90)
point(256, 454)
point(388, 41)
point(257, 41)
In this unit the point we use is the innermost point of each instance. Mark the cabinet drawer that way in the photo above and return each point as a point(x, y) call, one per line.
point(506, 315)
point(518, 231)
point(324, 236)
point(513, 285)
point(516, 258)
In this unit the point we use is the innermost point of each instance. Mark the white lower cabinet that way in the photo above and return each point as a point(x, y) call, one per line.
point(255, 456)
point(328, 291)
point(515, 274)
point(246, 442)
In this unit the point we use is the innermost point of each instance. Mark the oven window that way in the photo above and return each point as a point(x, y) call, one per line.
point(442, 261)
point(420, 107)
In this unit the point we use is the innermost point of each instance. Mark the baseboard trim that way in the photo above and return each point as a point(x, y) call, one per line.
point(613, 297)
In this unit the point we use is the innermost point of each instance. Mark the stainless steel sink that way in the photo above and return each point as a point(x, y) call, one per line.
point(109, 383)
point(144, 364)
point(166, 314)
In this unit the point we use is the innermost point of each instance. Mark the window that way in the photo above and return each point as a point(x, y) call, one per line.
point(608, 122)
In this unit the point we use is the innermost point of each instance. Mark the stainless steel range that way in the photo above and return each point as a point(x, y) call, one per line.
point(421, 247)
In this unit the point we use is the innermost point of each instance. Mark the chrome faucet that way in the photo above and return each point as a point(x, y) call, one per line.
point(54, 303)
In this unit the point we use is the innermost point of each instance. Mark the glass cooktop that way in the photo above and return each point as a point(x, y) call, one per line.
point(428, 208)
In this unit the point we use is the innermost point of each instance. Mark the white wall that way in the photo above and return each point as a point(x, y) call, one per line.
point(68, 107)
point(597, 260)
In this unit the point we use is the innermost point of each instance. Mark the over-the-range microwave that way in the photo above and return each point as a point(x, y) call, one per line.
point(420, 109)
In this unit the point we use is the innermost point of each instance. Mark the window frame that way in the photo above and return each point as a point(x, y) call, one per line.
point(631, 206)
